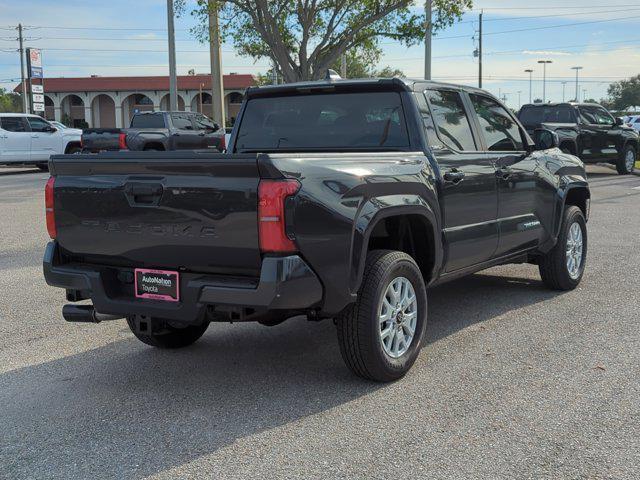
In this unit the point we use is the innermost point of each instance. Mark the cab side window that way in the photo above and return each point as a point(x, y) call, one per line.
point(38, 125)
point(501, 132)
point(13, 124)
point(452, 125)
point(595, 116)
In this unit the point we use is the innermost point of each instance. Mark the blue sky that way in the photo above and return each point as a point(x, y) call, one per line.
point(603, 37)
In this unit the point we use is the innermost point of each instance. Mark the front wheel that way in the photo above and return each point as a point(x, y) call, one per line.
point(562, 267)
point(381, 335)
point(627, 161)
point(168, 336)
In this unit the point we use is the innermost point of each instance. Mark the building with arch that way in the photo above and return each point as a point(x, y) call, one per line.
point(107, 102)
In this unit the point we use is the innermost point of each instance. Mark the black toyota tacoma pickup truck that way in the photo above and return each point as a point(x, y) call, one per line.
point(337, 199)
point(587, 130)
point(157, 131)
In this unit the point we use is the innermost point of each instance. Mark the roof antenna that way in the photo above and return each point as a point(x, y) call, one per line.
point(332, 75)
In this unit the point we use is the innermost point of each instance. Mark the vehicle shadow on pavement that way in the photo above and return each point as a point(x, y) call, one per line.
point(125, 410)
point(480, 297)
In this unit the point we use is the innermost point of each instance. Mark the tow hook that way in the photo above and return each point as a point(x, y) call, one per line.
point(85, 313)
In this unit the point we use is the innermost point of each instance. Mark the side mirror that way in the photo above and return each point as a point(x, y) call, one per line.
point(50, 129)
point(546, 139)
point(216, 127)
point(619, 121)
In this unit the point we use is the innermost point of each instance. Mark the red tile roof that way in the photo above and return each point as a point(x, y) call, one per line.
point(110, 84)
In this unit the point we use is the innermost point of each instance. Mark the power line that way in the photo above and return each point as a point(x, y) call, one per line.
point(533, 17)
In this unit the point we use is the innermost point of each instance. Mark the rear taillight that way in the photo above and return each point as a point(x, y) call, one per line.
point(48, 205)
point(122, 141)
point(272, 195)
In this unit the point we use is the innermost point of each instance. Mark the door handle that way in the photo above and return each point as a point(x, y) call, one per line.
point(201, 134)
point(35, 136)
point(503, 173)
point(454, 176)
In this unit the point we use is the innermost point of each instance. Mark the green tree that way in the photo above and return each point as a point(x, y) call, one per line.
point(625, 93)
point(10, 102)
point(306, 37)
point(362, 61)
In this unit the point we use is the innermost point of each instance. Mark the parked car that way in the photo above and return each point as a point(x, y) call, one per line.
point(587, 130)
point(30, 140)
point(157, 131)
point(633, 121)
point(337, 199)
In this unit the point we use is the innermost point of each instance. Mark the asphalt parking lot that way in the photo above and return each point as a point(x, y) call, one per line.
point(515, 381)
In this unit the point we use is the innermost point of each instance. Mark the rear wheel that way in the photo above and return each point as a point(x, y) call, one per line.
point(168, 336)
point(74, 150)
point(627, 161)
point(562, 268)
point(381, 335)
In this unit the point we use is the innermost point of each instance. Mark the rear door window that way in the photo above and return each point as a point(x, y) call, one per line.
point(500, 131)
point(452, 125)
point(13, 124)
point(147, 120)
point(324, 121)
point(181, 121)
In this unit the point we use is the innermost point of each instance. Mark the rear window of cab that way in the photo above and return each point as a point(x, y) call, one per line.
point(323, 121)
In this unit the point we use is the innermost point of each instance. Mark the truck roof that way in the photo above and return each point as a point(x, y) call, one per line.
point(561, 104)
point(409, 84)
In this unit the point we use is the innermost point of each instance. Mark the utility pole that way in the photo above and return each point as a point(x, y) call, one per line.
point(173, 81)
point(427, 39)
point(343, 65)
point(584, 94)
point(530, 72)
point(217, 87)
point(519, 102)
point(480, 51)
point(577, 69)
point(564, 84)
point(544, 78)
point(22, 82)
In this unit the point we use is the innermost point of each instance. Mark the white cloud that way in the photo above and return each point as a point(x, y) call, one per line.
point(545, 52)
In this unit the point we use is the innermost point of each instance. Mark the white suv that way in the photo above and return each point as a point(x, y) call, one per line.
point(30, 139)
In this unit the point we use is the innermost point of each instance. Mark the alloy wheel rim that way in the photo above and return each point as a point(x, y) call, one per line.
point(397, 317)
point(574, 249)
point(630, 159)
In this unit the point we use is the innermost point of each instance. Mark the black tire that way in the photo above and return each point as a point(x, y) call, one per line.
point(621, 165)
point(359, 327)
point(74, 150)
point(553, 265)
point(171, 337)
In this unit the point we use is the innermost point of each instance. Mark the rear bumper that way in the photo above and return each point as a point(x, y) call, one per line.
point(285, 283)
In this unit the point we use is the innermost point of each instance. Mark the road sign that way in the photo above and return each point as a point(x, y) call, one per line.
point(37, 89)
point(34, 63)
point(38, 98)
point(38, 107)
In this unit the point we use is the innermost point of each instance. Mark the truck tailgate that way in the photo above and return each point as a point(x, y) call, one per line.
point(183, 211)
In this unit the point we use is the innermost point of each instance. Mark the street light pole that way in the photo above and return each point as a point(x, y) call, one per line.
point(577, 69)
point(544, 79)
point(480, 51)
point(564, 84)
point(519, 102)
point(173, 81)
point(427, 39)
point(530, 72)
